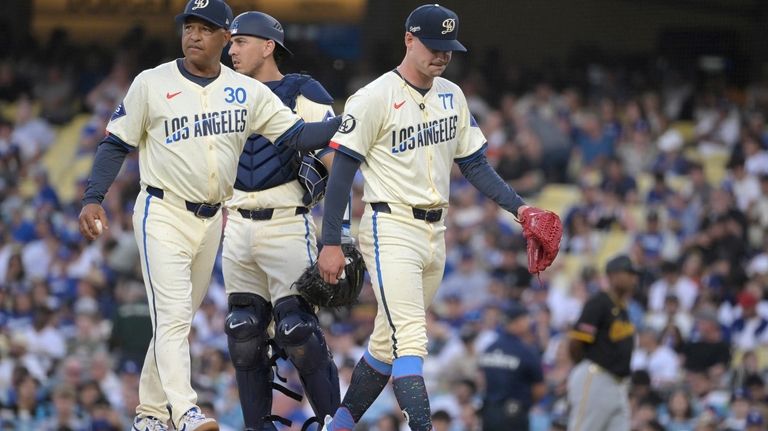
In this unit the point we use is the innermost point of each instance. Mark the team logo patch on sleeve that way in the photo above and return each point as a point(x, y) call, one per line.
point(348, 124)
point(587, 328)
point(119, 112)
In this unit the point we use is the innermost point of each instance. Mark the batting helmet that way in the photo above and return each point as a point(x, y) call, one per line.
point(260, 25)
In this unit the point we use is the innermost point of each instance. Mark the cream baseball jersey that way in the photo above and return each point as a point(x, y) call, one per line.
point(407, 141)
point(288, 194)
point(190, 137)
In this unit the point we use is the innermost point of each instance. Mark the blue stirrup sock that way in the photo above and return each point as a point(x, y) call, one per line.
point(411, 392)
point(369, 378)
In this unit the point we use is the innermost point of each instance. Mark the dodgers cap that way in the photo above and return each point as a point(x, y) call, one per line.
point(216, 12)
point(436, 27)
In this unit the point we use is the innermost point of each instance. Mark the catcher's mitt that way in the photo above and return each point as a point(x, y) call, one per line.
point(316, 291)
point(543, 231)
point(313, 176)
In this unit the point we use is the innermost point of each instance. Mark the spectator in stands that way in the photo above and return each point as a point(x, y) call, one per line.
point(750, 330)
point(660, 191)
point(579, 237)
point(742, 184)
point(660, 361)
point(514, 379)
point(521, 172)
point(592, 145)
point(617, 181)
point(672, 283)
point(56, 95)
point(31, 135)
point(25, 409)
point(677, 413)
point(441, 421)
point(65, 414)
point(755, 155)
point(670, 158)
point(707, 351)
point(738, 411)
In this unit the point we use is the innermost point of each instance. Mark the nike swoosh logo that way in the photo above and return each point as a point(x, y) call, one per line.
point(398, 105)
point(172, 95)
point(288, 331)
point(233, 325)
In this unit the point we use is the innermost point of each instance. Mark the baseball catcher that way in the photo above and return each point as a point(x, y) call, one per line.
point(316, 291)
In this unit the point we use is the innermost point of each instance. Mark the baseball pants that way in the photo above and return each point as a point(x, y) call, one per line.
point(405, 258)
point(177, 250)
point(598, 399)
point(266, 257)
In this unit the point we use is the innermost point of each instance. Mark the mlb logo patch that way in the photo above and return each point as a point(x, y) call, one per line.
point(119, 112)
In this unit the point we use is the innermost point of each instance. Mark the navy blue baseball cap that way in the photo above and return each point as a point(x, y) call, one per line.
point(215, 12)
point(436, 27)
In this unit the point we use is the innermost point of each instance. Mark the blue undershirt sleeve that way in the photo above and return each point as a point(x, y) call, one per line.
point(480, 174)
point(106, 165)
point(337, 196)
point(311, 136)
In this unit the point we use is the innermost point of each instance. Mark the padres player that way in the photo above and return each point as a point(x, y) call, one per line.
point(269, 239)
point(409, 126)
point(601, 344)
point(189, 119)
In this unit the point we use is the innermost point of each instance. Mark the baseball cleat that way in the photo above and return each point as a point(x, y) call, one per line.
point(148, 423)
point(195, 420)
point(327, 426)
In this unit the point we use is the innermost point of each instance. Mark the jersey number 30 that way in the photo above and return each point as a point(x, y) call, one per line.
point(235, 94)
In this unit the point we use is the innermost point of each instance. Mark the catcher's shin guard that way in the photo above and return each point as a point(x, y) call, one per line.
point(246, 329)
point(298, 333)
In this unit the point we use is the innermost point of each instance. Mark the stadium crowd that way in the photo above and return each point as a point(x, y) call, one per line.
point(671, 168)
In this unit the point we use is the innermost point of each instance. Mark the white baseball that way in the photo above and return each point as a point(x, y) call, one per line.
point(99, 227)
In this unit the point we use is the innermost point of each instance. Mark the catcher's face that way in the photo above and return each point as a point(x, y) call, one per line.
point(249, 53)
point(202, 42)
point(426, 61)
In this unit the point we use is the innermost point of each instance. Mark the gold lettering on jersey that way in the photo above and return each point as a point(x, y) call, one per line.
point(620, 330)
point(424, 134)
point(205, 124)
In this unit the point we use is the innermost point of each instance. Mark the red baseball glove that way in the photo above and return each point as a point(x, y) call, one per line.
point(543, 231)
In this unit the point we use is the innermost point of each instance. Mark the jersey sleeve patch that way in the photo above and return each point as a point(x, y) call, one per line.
point(119, 112)
point(351, 153)
point(348, 124)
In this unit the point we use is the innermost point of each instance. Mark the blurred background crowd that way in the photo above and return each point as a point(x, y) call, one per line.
point(667, 164)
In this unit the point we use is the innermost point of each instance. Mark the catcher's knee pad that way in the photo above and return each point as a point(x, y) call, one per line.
point(246, 329)
point(298, 332)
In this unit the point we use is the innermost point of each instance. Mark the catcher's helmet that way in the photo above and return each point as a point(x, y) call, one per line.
point(260, 25)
